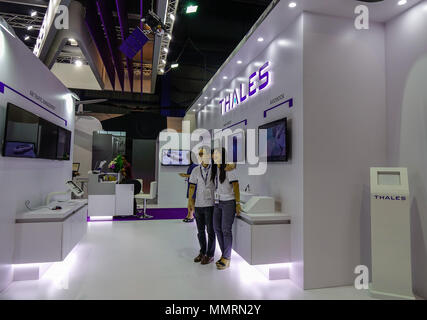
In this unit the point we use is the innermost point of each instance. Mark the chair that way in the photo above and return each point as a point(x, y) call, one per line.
point(148, 196)
point(142, 186)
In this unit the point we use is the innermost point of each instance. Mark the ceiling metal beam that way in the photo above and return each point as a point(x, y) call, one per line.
point(27, 3)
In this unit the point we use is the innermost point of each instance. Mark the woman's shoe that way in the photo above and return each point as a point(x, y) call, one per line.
point(218, 261)
point(207, 260)
point(223, 264)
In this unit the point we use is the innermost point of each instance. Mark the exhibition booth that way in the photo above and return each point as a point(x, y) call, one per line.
point(325, 122)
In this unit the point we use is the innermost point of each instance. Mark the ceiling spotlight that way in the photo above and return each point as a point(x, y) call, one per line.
point(172, 16)
point(292, 4)
point(33, 13)
point(199, 104)
point(27, 38)
point(169, 36)
point(73, 42)
point(174, 65)
point(30, 28)
point(162, 70)
point(163, 61)
point(166, 50)
point(239, 61)
point(260, 39)
point(213, 89)
point(191, 9)
point(225, 77)
point(402, 2)
point(78, 63)
point(206, 98)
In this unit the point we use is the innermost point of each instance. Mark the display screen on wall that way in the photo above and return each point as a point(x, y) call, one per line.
point(29, 136)
point(277, 140)
point(172, 157)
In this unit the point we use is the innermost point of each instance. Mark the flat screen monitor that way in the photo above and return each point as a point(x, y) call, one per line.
point(20, 133)
point(172, 157)
point(48, 140)
point(277, 140)
point(64, 144)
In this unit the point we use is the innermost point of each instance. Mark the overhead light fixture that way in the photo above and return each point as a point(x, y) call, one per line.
point(174, 65)
point(213, 89)
point(169, 36)
point(78, 63)
point(225, 77)
point(162, 70)
point(172, 16)
point(166, 50)
point(239, 61)
point(27, 38)
point(402, 2)
point(72, 41)
point(30, 28)
point(206, 98)
point(292, 4)
point(163, 61)
point(199, 104)
point(260, 39)
point(191, 9)
point(33, 13)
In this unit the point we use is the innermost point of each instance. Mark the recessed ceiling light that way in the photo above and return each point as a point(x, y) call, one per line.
point(213, 89)
point(27, 38)
point(225, 77)
point(292, 4)
point(172, 16)
point(169, 36)
point(78, 63)
point(206, 98)
point(33, 13)
point(402, 2)
point(162, 70)
point(239, 61)
point(166, 50)
point(163, 61)
point(199, 104)
point(260, 39)
point(30, 28)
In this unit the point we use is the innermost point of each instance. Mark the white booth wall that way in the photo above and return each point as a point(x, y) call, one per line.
point(406, 56)
point(28, 179)
point(336, 76)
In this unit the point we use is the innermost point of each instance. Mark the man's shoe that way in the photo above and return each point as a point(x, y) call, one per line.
point(207, 260)
point(199, 258)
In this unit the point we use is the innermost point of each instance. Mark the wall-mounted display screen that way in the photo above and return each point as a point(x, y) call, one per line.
point(172, 157)
point(29, 136)
point(277, 140)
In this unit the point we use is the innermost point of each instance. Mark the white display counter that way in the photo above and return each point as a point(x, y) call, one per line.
point(45, 235)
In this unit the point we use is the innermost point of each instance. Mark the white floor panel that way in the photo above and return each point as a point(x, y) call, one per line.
point(153, 260)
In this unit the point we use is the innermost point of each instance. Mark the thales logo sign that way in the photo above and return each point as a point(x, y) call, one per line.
point(401, 198)
point(258, 81)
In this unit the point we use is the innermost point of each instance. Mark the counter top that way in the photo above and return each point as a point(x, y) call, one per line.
point(48, 215)
point(266, 218)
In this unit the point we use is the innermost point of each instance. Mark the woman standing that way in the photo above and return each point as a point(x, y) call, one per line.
point(227, 205)
point(190, 213)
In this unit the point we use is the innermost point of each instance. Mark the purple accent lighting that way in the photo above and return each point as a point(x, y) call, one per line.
point(3, 85)
point(134, 43)
point(227, 103)
point(107, 21)
point(222, 106)
point(290, 101)
point(251, 84)
point(158, 214)
point(242, 96)
point(124, 30)
point(263, 76)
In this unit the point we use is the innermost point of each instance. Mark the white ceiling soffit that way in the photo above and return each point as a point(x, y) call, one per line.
point(249, 48)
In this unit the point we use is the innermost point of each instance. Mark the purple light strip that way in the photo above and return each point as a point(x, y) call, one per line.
point(245, 121)
point(142, 50)
point(124, 30)
point(3, 85)
point(291, 104)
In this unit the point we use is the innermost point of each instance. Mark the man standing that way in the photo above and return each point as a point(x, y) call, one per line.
point(203, 205)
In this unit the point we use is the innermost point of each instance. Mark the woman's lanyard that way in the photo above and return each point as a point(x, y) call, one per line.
point(205, 179)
